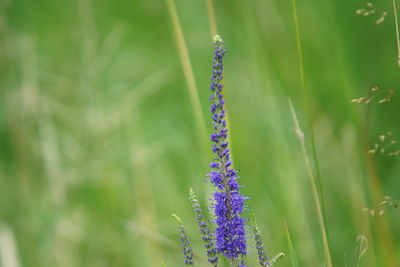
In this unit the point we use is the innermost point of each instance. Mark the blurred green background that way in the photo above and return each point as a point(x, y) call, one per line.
point(99, 144)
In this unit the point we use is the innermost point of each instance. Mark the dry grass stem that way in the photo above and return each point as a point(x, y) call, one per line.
point(317, 201)
point(397, 31)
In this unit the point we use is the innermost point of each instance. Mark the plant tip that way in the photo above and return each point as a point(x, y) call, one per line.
point(217, 39)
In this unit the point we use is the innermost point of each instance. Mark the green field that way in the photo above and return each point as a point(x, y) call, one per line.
point(104, 125)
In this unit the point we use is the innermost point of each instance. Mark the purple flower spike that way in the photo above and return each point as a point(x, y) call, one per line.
point(187, 249)
point(229, 203)
point(204, 230)
point(262, 256)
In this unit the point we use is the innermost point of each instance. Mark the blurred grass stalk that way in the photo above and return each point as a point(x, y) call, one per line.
point(289, 184)
point(308, 107)
point(8, 248)
point(356, 194)
point(397, 31)
point(380, 223)
point(212, 18)
point(188, 73)
point(292, 250)
point(146, 211)
point(315, 181)
point(140, 156)
point(317, 201)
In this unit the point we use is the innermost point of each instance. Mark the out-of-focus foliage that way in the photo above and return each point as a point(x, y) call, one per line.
point(98, 142)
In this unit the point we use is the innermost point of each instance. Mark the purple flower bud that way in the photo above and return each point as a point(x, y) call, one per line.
point(214, 165)
point(214, 137)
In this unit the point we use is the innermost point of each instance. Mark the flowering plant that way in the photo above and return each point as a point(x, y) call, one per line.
point(229, 237)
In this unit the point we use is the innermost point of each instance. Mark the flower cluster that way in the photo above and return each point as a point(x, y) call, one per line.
point(229, 203)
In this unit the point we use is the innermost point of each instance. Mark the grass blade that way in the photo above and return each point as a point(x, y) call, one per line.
point(317, 200)
point(397, 31)
point(212, 18)
point(292, 250)
point(188, 72)
point(317, 178)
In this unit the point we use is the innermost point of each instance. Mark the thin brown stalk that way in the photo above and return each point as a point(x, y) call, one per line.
point(317, 179)
point(317, 201)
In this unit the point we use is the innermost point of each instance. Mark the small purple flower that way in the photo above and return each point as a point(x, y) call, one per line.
point(242, 264)
point(229, 203)
point(187, 249)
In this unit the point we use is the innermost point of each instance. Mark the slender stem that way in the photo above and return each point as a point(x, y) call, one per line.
point(397, 31)
point(292, 250)
point(306, 99)
point(317, 201)
point(212, 18)
point(318, 184)
point(188, 72)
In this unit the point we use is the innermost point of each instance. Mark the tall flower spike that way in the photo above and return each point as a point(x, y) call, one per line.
point(204, 229)
point(262, 256)
point(187, 249)
point(229, 203)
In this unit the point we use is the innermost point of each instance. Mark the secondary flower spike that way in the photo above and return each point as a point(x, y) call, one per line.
point(230, 234)
point(262, 256)
point(204, 229)
point(187, 249)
